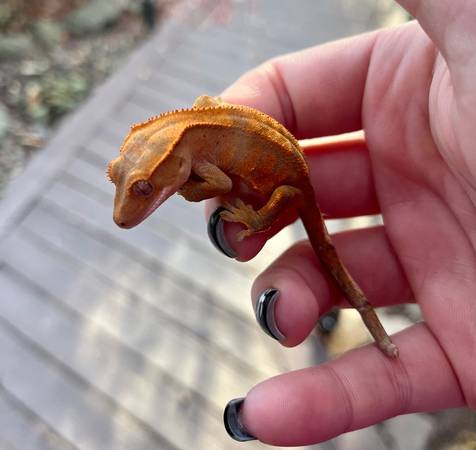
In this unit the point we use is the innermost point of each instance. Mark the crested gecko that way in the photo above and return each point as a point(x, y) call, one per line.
point(202, 152)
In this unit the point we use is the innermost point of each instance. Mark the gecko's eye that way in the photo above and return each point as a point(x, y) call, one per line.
point(142, 188)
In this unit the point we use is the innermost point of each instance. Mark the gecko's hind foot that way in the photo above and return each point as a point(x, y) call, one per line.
point(244, 214)
point(241, 213)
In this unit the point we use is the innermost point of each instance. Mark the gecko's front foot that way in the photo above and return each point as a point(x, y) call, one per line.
point(245, 214)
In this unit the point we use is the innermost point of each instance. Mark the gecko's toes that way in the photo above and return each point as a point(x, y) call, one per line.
point(243, 234)
point(228, 206)
point(228, 216)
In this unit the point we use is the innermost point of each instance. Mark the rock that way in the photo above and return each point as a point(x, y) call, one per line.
point(32, 67)
point(5, 122)
point(46, 100)
point(15, 45)
point(134, 8)
point(48, 32)
point(33, 137)
point(94, 16)
point(6, 14)
point(33, 104)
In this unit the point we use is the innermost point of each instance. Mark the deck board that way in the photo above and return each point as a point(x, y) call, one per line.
point(22, 429)
point(195, 312)
point(90, 420)
point(122, 374)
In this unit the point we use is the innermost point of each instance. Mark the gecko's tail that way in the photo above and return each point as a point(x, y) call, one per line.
point(327, 254)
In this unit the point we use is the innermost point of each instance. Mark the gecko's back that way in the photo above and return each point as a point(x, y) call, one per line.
point(241, 140)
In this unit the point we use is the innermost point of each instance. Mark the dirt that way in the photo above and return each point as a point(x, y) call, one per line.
point(48, 68)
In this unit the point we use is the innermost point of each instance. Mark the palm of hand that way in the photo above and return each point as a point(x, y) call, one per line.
point(420, 131)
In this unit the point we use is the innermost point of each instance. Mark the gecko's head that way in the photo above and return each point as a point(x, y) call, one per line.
point(144, 179)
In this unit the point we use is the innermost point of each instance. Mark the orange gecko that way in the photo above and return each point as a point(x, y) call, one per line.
point(203, 152)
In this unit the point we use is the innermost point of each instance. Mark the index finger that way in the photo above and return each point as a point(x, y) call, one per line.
point(314, 92)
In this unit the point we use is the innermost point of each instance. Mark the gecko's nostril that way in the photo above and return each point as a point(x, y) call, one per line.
point(120, 223)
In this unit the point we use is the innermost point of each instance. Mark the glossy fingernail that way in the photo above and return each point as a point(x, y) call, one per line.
point(265, 313)
point(216, 233)
point(233, 426)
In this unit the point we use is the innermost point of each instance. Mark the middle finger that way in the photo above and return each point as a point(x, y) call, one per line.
point(306, 291)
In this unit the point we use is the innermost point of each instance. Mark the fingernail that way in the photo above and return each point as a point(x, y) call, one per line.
point(233, 426)
point(216, 233)
point(265, 315)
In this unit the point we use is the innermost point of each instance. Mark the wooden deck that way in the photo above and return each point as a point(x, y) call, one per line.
point(136, 340)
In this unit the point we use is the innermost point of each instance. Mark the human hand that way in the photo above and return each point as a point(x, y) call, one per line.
point(414, 94)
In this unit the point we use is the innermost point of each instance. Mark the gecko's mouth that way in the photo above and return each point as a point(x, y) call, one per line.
point(142, 214)
point(165, 193)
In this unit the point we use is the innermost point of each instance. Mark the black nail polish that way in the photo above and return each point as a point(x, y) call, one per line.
point(233, 426)
point(216, 233)
point(264, 311)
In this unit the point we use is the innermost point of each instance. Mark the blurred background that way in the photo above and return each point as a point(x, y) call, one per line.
point(137, 339)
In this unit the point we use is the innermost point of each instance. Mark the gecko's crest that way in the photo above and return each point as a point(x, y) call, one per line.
point(227, 106)
point(109, 172)
point(138, 126)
